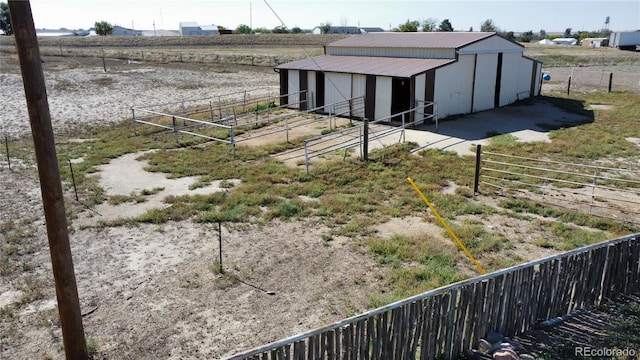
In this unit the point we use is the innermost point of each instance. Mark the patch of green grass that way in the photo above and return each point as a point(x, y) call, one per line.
point(595, 137)
point(573, 237)
point(478, 240)
point(92, 348)
point(261, 106)
point(287, 209)
point(6, 266)
point(418, 264)
point(147, 192)
point(503, 140)
point(237, 213)
point(173, 212)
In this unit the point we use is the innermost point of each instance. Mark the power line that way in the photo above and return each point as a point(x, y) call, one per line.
point(284, 26)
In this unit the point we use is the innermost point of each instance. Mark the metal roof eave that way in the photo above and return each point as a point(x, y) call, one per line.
point(381, 66)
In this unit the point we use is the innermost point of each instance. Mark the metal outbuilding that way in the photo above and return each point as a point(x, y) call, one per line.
point(462, 72)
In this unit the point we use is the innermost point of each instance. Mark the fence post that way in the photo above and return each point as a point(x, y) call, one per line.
point(184, 114)
point(593, 189)
point(133, 121)
point(365, 141)
point(73, 180)
point(175, 129)
point(569, 86)
point(233, 142)
point(306, 157)
point(404, 127)
point(330, 129)
point(6, 145)
point(360, 139)
point(26, 42)
point(286, 127)
point(244, 101)
point(610, 80)
point(476, 181)
point(220, 245)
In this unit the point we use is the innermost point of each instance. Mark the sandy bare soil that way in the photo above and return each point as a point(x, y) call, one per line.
point(80, 92)
point(150, 291)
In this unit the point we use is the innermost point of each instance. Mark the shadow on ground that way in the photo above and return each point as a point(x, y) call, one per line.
point(528, 120)
point(613, 326)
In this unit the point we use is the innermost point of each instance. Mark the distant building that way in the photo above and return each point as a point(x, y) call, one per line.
point(160, 33)
point(347, 30)
point(565, 41)
point(54, 33)
point(595, 42)
point(121, 31)
point(463, 72)
point(193, 29)
point(366, 30)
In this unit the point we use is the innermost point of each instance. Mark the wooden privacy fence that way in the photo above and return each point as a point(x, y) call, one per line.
point(442, 323)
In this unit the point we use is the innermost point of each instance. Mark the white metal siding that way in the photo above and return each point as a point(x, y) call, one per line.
point(311, 90)
point(453, 87)
point(485, 82)
point(393, 52)
point(358, 89)
point(492, 44)
point(337, 88)
point(536, 86)
point(419, 95)
point(293, 89)
point(516, 78)
point(383, 97)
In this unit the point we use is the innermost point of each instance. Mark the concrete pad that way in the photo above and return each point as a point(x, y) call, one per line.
point(462, 133)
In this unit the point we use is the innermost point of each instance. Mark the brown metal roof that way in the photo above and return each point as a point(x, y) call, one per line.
point(428, 40)
point(383, 66)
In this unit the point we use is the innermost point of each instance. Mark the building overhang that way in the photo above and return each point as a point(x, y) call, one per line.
point(365, 65)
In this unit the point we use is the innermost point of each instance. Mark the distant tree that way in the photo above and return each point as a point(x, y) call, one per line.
point(5, 19)
point(543, 34)
point(296, 30)
point(103, 28)
point(567, 32)
point(585, 34)
point(526, 36)
point(261, 30)
point(488, 26)
point(409, 26)
point(221, 28)
point(280, 30)
point(445, 25)
point(510, 35)
point(243, 29)
point(471, 29)
point(429, 24)
point(325, 27)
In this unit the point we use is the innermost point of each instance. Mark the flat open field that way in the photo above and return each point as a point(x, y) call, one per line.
point(151, 290)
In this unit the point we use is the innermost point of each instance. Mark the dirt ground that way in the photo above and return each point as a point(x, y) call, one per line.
point(150, 291)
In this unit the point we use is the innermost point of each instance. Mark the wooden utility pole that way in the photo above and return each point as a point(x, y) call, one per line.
point(35, 91)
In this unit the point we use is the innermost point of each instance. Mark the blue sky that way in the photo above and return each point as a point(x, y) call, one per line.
point(508, 15)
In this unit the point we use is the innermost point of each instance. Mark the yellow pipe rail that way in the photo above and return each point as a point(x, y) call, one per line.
point(453, 235)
